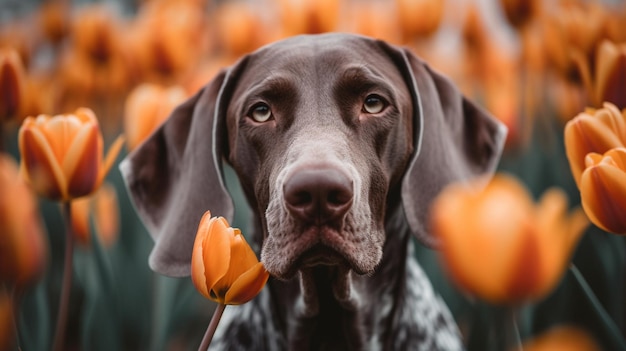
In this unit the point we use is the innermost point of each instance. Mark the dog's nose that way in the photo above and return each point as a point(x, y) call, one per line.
point(318, 195)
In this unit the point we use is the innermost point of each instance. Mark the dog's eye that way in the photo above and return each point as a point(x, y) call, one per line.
point(261, 112)
point(373, 104)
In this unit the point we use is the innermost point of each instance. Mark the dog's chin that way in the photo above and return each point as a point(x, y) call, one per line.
point(318, 247)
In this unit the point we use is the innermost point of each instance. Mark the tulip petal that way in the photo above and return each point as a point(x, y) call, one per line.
point(216, 252)
point(81, 162)
point(197, 261)
point(603, 194)
point(524, 278)
point(247, 286)
point(611, 71)
point(109, 159)
point(42, 168)
point(241, 259)
point(245, 256)
point(60, 132)
point(11, 84)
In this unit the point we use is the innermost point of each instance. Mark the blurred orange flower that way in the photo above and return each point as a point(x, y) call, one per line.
point(239, 28)
point(419, 18)
point(375, 19)
point(499, 245)
point(11, 84)
point(572, 32)
point(562, 338)
point(97, 61)
point(54, 19)
point(62, 155)
point(308, 16)
point(7, 331)
point(223, 266)
point(520, 12)
point(105, 209)
point(23, 249)
point(147, 106)
point(167, 38)
point(603, 190)
point(595, 130)
point(610, 74)
point(18, 35)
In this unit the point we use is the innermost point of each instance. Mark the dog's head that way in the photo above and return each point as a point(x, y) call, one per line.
point(320, 130)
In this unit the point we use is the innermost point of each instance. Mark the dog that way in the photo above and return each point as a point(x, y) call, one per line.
point(340, 143)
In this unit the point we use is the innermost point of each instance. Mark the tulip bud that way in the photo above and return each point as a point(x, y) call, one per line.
point(593, 131)
point(610, 82)
point(23, 249)
point(603, 190)
point(62, 155)
point(11, 84)
point(147, 106)
point(500, 246)
point(223, 266)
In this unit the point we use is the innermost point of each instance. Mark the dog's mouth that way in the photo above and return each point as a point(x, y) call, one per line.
point(320, 255)
point(313, 247)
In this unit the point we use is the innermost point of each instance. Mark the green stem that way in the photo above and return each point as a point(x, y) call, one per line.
point(210, 331)
point(59, 335)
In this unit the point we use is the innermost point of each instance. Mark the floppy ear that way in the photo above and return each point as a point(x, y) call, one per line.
point(455, 140)
point(176, 175)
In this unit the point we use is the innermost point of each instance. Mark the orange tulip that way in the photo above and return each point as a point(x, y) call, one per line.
point(499, 245)
point(54, 20)
point(168, 37)
point(520, 12)
point(23, 249)
point(593, 131)
point(603, 190)
point(562, 338)
point(62, 155)
point(610, 82)
point(7, 331)
point(104, 207)
point(223, 266)
point(375, 19)
point(11, 84)
point(97, 62)
point(147, 106)
point(308, 16)
point(419, 18)
point(239, 28)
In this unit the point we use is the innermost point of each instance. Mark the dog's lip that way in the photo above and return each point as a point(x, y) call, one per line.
point(320, 255)
point(313, 249)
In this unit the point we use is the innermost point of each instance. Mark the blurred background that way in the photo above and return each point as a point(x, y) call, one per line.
point(534, 64)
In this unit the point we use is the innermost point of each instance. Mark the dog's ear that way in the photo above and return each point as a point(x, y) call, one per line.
point(176, 175)
point(455, 140)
